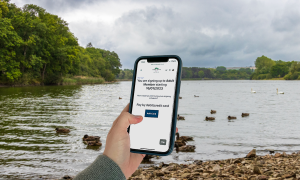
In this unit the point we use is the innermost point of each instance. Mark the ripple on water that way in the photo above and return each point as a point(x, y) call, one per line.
point(30, 148)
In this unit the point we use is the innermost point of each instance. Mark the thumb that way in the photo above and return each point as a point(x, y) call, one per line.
point(126, 119)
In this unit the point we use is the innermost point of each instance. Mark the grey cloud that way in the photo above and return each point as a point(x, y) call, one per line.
point(58, 5)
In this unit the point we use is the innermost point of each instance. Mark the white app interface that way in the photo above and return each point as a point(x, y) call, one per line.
point(153, 99)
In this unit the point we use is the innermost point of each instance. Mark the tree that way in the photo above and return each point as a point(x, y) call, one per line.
point(89, 45)
point(201, 74)
point(221, 69)
point(9, 41)
point(279, 70)
point(39, 45)
point(189, 73)
point(264, 64)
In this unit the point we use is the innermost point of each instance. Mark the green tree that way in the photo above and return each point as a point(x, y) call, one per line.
point(280, 69)
point(201, 74)
point(39, 45)
point(89, 45)
point(221, 69)
point(264, 64)
point(189, 73)
point(9, 42)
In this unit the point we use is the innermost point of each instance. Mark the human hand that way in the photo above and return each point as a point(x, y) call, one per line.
point(118, 143)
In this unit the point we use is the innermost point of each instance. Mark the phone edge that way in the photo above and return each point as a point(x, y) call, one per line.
point(174, 121)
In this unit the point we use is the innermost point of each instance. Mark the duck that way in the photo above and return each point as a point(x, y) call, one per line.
point(180, 143)
point(196, 96)
point(231, 117)
point(186, 148)
point(180, 117)
point(252, 91)
point(180, 97)
point(148, 157)
point(91, 138)
point(279, 92)
point(120, 98)
point(245, 114)
point(93, 143)
point(213, 111)
point(62, 130)
point(271, 151)
point(184, 138)
point(209, 118)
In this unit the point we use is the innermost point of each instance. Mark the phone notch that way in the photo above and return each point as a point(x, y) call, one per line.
point(158, 60)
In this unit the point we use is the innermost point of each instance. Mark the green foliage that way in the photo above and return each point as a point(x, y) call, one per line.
point(35, 42)
point(268, 69)
point(3, 8)
point(9, 42)
point(263, 64)
point(280, 69)
point(125, 74)
point(218, 73)
point(201, 74)
point(221, 69)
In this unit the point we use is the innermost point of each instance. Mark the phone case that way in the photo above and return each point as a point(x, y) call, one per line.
point(174, 120)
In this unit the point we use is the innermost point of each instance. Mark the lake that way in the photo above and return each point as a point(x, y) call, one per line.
point(30, 147)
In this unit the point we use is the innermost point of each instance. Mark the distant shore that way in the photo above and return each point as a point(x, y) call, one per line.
point(76, 80)
point(83, 80)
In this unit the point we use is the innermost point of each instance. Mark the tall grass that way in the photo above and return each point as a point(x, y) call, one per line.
point(79, 80)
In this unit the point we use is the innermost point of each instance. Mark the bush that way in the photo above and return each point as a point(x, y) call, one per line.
point(287, 77)
point(295, 75)
point(262, 76)
point(268, 76)
point(28, 79)
point(108, 75)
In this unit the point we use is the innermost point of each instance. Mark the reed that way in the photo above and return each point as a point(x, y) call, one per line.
point(80, 80)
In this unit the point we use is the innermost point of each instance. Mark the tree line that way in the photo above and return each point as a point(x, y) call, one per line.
point(219, 73)
point(38, 47)
point(266, 68)
point(202, 73)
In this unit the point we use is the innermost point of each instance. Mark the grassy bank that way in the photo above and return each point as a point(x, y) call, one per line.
point(80, 80)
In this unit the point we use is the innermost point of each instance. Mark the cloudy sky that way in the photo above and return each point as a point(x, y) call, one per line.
point(204, 33)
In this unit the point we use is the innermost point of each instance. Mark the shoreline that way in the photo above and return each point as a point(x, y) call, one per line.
point(196, 79)
point(252, 167)
point(120, 80)
point(70, 82)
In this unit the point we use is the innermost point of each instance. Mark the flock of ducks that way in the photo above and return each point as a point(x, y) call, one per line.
point(180, 143)
point(276, 89)
point(88, 140)
point(213, 118)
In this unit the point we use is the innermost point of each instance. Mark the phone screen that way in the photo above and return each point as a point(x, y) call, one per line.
point(153, 98)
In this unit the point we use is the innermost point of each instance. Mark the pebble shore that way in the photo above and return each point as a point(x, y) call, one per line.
point(252, 167)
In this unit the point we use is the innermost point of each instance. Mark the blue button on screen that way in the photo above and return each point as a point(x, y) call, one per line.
point(151, 113)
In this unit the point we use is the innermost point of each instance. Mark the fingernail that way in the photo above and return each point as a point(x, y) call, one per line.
point(138, 117)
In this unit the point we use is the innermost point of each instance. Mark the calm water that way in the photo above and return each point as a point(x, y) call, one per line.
point(30, 148)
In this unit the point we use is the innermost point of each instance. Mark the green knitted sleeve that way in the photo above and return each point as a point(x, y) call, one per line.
point(102, 168)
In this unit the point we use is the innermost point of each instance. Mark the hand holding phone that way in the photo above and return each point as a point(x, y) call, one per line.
point(154, 95)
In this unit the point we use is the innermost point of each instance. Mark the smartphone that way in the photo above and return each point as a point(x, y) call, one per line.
point(154, 95)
